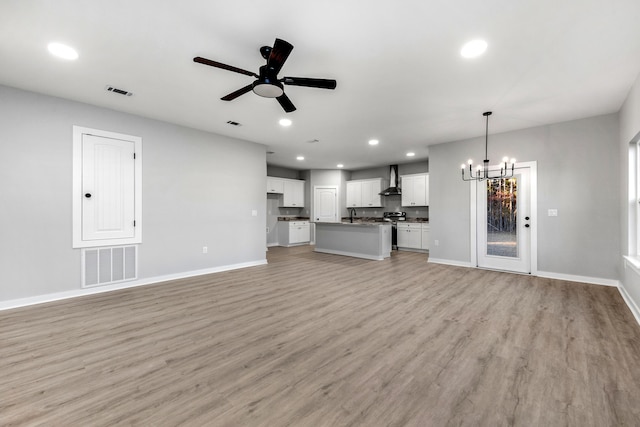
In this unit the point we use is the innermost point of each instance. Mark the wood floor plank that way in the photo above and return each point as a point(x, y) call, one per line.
point(324, 340)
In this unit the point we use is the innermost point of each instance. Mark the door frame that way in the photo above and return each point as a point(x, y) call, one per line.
point(77, 193)
point(533, 190)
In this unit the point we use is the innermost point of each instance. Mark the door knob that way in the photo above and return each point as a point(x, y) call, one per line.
point(87, 195)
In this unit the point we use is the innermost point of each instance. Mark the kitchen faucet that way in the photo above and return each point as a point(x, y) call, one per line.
point(352, 213)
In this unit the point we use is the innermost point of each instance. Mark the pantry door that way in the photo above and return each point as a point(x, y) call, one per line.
point(325, 206)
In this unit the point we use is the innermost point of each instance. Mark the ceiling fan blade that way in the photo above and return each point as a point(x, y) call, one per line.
point(279, 54)
point(308, 82)
point(234, 95)
point(216, 64)
point(286, 103)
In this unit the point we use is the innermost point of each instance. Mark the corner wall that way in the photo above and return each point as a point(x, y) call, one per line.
point(199, 189)
point(576, 162)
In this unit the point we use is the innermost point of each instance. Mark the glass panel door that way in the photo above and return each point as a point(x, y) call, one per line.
point(502, 217)
point(503, 225)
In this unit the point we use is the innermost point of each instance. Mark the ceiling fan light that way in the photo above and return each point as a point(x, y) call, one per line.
point(268, 90)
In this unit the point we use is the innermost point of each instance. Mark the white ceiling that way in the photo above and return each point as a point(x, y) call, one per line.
point(400, 76)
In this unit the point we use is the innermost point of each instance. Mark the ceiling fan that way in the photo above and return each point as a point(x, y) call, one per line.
point(267, 84)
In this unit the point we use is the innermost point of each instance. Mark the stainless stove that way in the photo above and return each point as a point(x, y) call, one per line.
point(393, 218)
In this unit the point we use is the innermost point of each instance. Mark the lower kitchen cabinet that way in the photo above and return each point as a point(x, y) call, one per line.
point(425, 237)
point(413, 236)
point(291, 233)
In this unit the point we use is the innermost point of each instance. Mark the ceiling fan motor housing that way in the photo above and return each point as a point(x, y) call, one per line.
point(267, 84)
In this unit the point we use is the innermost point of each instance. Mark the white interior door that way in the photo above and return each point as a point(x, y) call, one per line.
point(504, 223)
point(108, 196)
point(325, 206)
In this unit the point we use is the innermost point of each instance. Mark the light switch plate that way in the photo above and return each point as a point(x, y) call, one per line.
point(553, 212)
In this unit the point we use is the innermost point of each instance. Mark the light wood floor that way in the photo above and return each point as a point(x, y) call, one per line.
point(322, 340)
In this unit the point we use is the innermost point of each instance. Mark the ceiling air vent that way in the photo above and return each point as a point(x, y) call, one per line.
point(120, 91)
point(232, 123)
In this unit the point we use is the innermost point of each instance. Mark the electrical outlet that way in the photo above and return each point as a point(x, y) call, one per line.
point(553, 212)
point(436, 243)
point(254, 213)
point(205, 250)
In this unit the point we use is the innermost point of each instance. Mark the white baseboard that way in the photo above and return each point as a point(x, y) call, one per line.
point(581, 279)
point(449, 262)
point(635, 310)
point(270, 245)
point(40, 299)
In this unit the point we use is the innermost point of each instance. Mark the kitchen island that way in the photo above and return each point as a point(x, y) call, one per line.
point(368, 240)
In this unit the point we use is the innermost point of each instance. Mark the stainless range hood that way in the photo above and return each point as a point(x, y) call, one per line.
point(393, 189)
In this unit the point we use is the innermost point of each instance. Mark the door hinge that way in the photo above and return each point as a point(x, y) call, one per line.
point(134, 156)
point(134, 222)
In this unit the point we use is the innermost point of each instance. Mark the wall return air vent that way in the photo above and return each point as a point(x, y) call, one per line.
point(119, 91)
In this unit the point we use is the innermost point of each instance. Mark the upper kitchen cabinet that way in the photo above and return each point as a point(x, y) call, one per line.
point(292, 191)
point(363, 193)
point(275, 185)
point(415, 189)
point(293, 196)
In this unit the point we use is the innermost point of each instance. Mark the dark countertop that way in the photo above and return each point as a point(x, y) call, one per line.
point(293, 218)
point(378, 219)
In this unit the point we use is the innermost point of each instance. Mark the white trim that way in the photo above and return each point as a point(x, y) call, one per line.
point(77, 241)
point(580, 279)
point(635, 310)
point(270, 245)
point(40, 299)
point(473, 225)
point(455, 263)
point(351, 254)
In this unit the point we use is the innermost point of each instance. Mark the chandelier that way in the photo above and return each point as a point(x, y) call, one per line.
point(482, 171)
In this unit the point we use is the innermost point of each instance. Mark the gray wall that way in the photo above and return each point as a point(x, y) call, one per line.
point(198, 190)
point(578, 164)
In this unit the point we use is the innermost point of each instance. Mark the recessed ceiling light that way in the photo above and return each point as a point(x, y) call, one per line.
point(300, 158)
point(339, 165)
point(411, 154)
point(62, 51)
point(473, 49)
point(373, 142)
point(285, 122)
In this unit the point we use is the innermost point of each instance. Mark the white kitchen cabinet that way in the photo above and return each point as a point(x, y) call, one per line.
point(364, 193)
point(415, 190)
point(275, 185)
point(291, 233)
point(410, 235)
point(293, 196)
point(292, 191)
point(425, 237)
point(354, 194)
